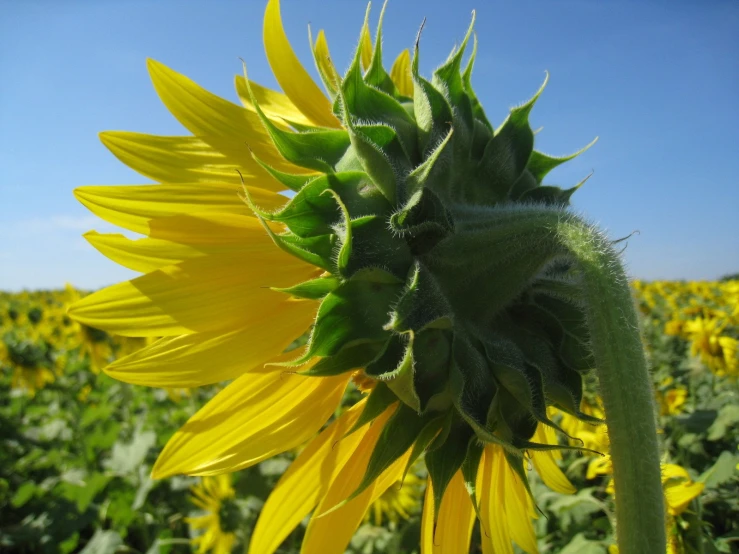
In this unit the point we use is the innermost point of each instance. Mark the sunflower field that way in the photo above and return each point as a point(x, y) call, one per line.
point(77, 447)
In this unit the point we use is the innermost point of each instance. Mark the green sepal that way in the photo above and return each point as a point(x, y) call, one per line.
point(573, 339)
point(354, 312)
point(434, 169)
point(516, 462)
point(379, 400)
point(443, 462)
point(376, 75)
point(370, 104)
point(421, 305)
point(315, 289)
point(344, 232)
point(311, 212)
point(427, 436)
point(448, 78)
point(398, 435)
point(293, 182)
point(505, 264)
point(473, 386)
point(523, 185)
point(432, 355)
point(470, 467)
point(375, 245)
point(347, 359)
point(540, 164)
point(520, 379)
point(432, 111)
point(508, 152)
point(395, 366)
point(319, 150)
point(477, 110)
point(387, 362)
point(314, 250)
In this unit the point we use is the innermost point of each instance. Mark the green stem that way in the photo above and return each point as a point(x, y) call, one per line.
point(626, 387)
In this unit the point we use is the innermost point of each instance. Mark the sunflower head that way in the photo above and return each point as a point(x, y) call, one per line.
point(474, 338)
point(405, 210)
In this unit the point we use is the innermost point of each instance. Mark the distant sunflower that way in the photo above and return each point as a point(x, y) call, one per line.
point(358, 266)
point(213, 495)
point(718, 351)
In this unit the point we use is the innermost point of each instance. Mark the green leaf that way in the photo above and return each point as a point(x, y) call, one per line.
point(103, 542)
point(24, 493)
point(728, 417)
point(722, 471)
point(126, 457)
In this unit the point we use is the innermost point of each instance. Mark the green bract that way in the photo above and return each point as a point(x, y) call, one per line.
point(431, 287)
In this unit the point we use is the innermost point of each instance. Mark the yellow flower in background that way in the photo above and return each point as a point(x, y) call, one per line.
point(680, 490)
point(217, 525)
point(400, 501)
point(719, 352)
point(671, 399)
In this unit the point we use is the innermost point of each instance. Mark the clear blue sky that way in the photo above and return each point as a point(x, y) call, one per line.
point(658, 81)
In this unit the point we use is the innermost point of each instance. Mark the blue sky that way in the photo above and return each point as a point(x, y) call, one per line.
point(656, 80)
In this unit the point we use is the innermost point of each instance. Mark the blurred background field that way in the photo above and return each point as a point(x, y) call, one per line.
point(76, 447)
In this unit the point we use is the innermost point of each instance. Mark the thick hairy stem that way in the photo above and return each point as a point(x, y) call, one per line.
point(626, 387)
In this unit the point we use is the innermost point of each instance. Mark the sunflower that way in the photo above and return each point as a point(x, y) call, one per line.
point(398, 502)
point(213, 496)
point(718, 351)
point(373, 265)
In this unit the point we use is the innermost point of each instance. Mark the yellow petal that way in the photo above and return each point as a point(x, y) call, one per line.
point(517, 512)
point(546, 465)
point(306, 481)
point(331, 533)
point(228, 128)
point(455, 521)
point(187, 237)
point(401, 74)
point(142, 255)
point(324, 63)
point(132, 206)
point(290, 73)
point(494, 523)
point(257, 416)
point(679, 496)
point(366, 40)
point(204, 358)
point(427, 520)
point(275, 105)
point(202, 294)
point(182, 160)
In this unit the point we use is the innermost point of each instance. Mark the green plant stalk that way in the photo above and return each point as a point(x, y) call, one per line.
point(625, 384)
